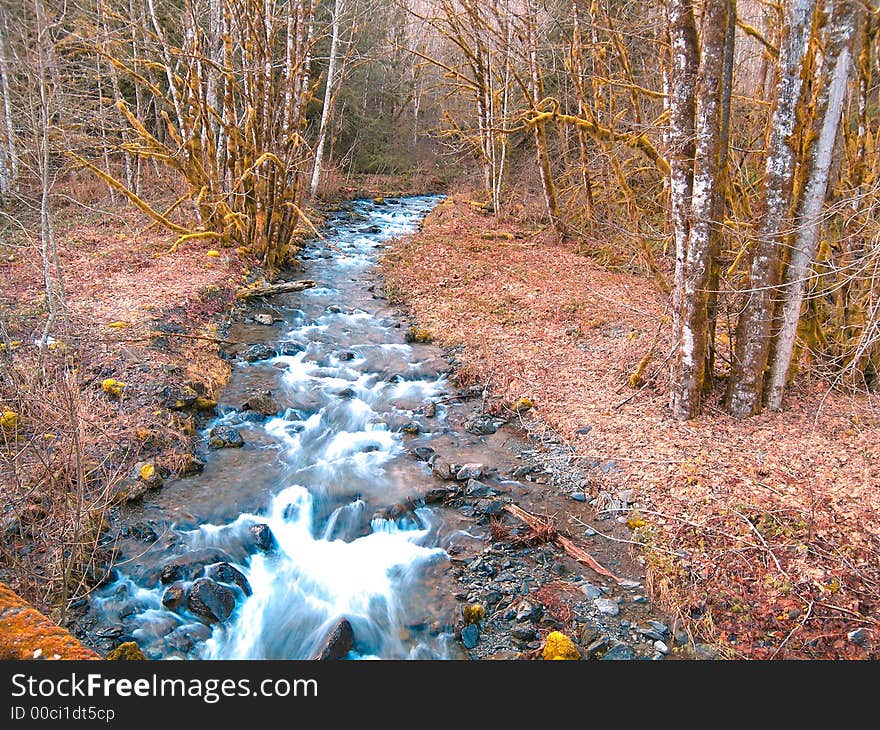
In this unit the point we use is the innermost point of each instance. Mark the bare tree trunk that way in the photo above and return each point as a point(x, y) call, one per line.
point(166, 60)
point(48, 249)
point(536, 89)
point(755, 321)
point(836, 65)
point(578, 74)
point(329, 93)
point(718, 206)
point(691, 335)
point(10, 149)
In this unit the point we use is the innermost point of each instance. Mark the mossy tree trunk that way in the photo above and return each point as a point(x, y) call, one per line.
point(753, 331)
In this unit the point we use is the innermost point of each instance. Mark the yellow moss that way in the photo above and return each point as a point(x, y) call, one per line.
point(379, 200)
point(113, 387)
point(9, 420)
point(118, 325)
point(143, 434)
point(635, 522)
point(205, 404)
point(127, 651)
point(559, 646)
point(523, 404)
point(473, 613)
point(147, 471)
point(497, 236)
point(419, 334)
point(213, 253)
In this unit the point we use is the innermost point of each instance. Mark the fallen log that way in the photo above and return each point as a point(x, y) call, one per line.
point(268, 290)
point(575, 551)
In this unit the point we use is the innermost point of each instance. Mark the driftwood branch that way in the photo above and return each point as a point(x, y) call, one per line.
point(575, 551)
point(268, 290)
point(156, 333)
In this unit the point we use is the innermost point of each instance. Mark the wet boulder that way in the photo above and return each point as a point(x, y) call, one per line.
point(430, 409)
point(223, 437)
point(423, 453)
point(128, 490)
point(289, 349)
point(338, 643)
point(178, 398)
point(191, 565)
point(258, 352)
point(441, 494)
point(262, 537)
point(210, 601)
point(142, 531)
point(265, 319)
point(469, 471)
point(226, 573)
point(262, 402)
point(443, 470)
point(147, 473)
point(480, 425)
point(174, 596)
point(346, 355)
point(192, 465)
point(476, 488)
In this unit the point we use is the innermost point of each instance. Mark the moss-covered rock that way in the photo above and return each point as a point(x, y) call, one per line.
point(419, 334)
point(127, 651)
point(113, 387)
point(147, 473)
point(9, 420)
point(559, 646)
point(206, 405)
point(473, 613)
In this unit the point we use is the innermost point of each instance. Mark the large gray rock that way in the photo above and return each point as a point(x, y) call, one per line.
point(470, 635)
point(443, 470)
point(224, 437)
point(607, 606)
point(338, 643)
point(174, 596)
point(258, 352)
point(226, 573)
point(262, 536)
point(210, 601)
point(469, 471)
point(261, 402)
point(480, 425)
point(619, 651)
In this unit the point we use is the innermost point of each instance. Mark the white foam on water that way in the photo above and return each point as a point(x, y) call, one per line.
point(309, 582)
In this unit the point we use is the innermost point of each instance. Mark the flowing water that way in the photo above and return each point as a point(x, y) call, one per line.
point(321, 475)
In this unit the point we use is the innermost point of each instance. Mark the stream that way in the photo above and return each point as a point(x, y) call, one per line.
point(292, 532)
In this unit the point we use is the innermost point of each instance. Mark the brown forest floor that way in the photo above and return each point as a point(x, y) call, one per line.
point(763, 535)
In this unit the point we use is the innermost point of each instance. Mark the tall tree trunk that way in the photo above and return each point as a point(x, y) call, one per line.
point(10, 147)
point(329, 93)
point(718, 206)
point(836, 65)
point(48, 249)
point(755, 321)
point(536, 89)
point(691, 325)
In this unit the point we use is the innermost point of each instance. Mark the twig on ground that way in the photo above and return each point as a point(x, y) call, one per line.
point(763, 542)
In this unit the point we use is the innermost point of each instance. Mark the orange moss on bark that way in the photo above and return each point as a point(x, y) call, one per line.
point(25, 632)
